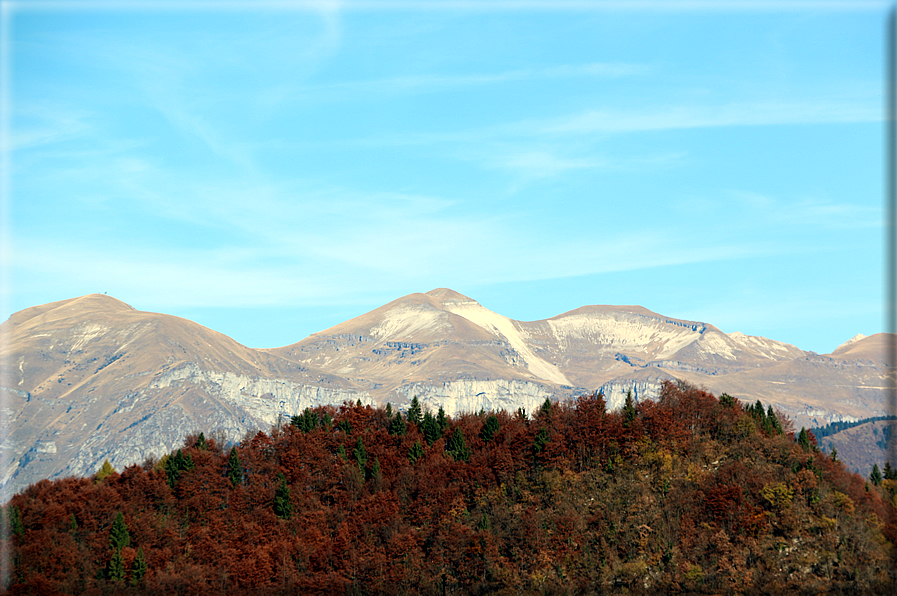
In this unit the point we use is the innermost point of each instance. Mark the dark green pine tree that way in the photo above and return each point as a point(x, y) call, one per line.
point(758, 411)
point(307, 421)
point(14, 518)
point(415, 413)
point(875, 476)
point(376, 476)
point(177, 465)
point(628, 409)
point(540, 441)
point(397, 425)
point(834, 454)
point(727, 400)
point(361, 455)
point(388, 410)
point(489, 428)
point(201, 442)
point(119, 536)
point(546, 407)
point(416, 452)
point(774, 421)
point(138, 570)
point(283, 507)
point(115, 571)
point(803, 439)
point(457, 446)
point(430, 427)
point(441, 419)
point(234, 467)
point(890, 473)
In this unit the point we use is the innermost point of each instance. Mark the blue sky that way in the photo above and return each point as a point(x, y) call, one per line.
point(270, 170)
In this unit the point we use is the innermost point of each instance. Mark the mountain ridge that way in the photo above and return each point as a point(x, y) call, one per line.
point(92, 378)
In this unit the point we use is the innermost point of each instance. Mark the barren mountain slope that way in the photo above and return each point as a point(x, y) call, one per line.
point(92, 378)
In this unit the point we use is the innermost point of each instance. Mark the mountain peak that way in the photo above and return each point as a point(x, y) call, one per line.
point(61, 309)
point(445, 295)
point(852, 340)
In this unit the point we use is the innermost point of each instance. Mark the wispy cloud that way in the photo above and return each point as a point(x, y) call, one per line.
point(287, 252)
point(436, 82)
point(804, 212)
point(42, 123)
point(697, 116)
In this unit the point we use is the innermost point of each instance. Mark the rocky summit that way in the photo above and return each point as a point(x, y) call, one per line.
point(91, 378)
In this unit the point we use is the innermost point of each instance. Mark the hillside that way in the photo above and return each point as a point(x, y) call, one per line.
point(687, 494)
point(91, 378)
point(861, 446)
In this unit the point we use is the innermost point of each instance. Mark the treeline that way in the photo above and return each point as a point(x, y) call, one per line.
point(836, 427)
point(685, 494)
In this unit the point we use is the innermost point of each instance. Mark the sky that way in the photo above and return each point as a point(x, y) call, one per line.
point(272, 169)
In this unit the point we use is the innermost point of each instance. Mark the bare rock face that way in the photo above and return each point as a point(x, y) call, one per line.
point(91, 378)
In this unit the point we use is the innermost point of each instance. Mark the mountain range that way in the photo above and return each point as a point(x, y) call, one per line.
point(91, 378)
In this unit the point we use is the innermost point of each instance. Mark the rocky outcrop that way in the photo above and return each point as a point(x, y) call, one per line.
point(471, 395)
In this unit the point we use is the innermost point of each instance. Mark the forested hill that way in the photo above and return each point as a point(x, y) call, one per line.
point(686, 494)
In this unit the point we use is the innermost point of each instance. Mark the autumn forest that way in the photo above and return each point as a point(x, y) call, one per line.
point(688, 493)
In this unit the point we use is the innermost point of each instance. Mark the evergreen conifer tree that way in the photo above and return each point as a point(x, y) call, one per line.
point(397, 425)
point(546, 407)
point(415, 413)
point(234, 467)
point(875, 476)
point(138, 571)
point(201, 442)
point(115, 571)
point(14, 517)
point(774, 421)
point(430, 428)
point(540, 441)
point(628, 409)
point(416, 452)
point(119, 536)
point(283, 507)
point(360, 454)
point(175, 466)
point(376, 475)
point(441, 419)
point(388, 410)
point(489, 428)
point(457, 446)
point(803, 439)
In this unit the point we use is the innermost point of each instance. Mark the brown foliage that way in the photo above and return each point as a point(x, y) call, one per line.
point(688, 496)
